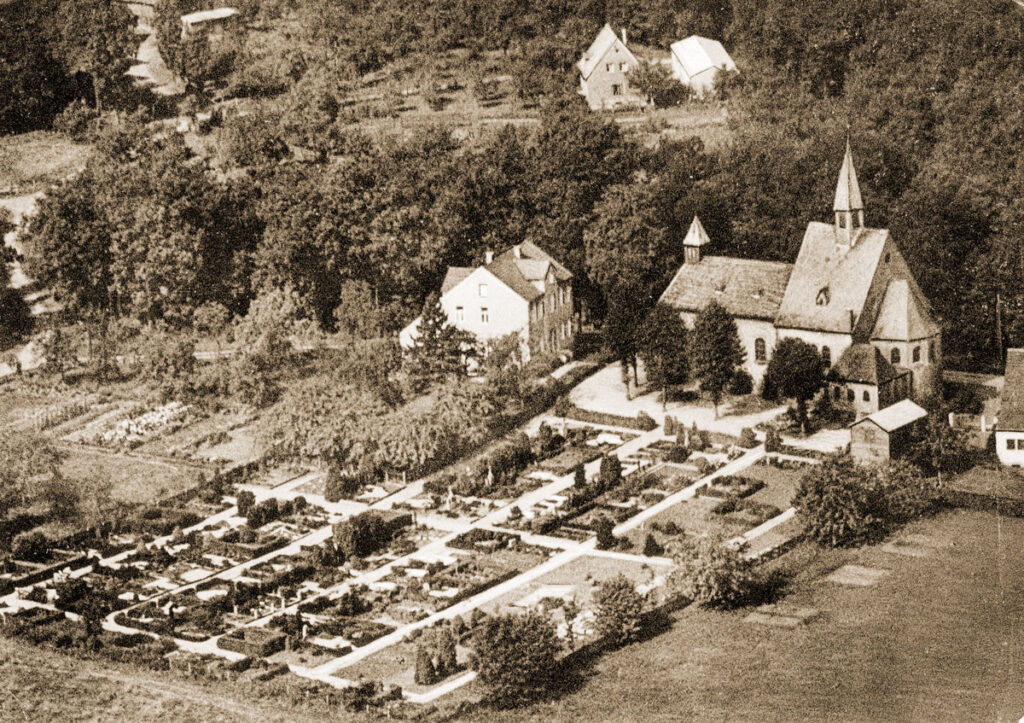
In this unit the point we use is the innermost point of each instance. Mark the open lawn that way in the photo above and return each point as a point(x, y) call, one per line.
point(33, 161)
point(780, 485)
point(939, 638)
point(132, 479)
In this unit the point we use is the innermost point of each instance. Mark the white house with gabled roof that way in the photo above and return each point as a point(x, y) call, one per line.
point(521, 291)
point(604, 72)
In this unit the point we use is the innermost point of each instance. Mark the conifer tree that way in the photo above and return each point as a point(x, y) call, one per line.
point(439, 349)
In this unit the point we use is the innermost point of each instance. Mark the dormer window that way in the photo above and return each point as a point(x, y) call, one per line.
point(823, 297)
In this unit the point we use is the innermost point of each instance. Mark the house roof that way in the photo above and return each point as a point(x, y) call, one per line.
point(606, 39)
point(455, 276)
point(847, 188)
point(746, 288)
point(1011, 411)
point(843, 272)
point(204, 16)
point(895, 416)
point(517, 268)
point(508, 273)
point(532, 261)
point(697, 54)
point(864, 364)
point(901, 316)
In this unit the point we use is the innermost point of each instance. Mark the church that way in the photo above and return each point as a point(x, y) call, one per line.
point(850, 294)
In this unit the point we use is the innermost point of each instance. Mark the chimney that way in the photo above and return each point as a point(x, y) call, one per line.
point(517, 250)
point(624, 42)
point(488, 256)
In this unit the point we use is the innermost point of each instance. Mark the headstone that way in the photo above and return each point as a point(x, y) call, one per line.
point(857, 575)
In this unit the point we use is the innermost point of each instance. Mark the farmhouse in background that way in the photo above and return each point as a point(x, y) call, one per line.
point(886, 434)
point(696, 62)
point(604, 72)
point(1010, 423)
point(523, 291)
point(849, 286)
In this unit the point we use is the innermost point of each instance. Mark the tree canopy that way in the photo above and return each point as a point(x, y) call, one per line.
point(796, 370)
point(715, 350)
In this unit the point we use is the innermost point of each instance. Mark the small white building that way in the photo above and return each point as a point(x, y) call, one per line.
point(696, 61)
point(1010, 423)
point(211, 22)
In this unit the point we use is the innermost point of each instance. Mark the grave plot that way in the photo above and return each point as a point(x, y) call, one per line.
point(396, 664)
point(579, 511)
point(857, 576)
point(783, 615)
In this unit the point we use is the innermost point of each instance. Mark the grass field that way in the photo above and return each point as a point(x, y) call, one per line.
point(32, 161)
point(940, 638)
point(132, 479)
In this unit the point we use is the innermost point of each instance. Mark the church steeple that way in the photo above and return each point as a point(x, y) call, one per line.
point(848, 207)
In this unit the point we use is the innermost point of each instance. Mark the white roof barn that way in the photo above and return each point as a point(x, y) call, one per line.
point(696, 61)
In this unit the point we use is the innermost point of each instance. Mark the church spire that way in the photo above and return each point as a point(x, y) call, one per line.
point(848, 206)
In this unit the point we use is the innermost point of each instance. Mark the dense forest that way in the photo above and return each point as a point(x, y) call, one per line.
point(928, 92)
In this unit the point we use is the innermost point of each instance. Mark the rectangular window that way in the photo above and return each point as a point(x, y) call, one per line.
point(485, 315)
point(917, 353)
point(460, 314)
point(1011, 444)
point(622, 67)
point(616, 89)
point(607, 67)
point(482, 289)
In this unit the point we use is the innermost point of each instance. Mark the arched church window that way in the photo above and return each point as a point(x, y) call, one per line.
point(917, 353)
point(823, 296)
point(867, 396)
point(826, 356)
point(760, 352)
point(894, 355)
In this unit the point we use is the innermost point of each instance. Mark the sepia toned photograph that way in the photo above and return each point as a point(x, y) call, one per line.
point(490, 361)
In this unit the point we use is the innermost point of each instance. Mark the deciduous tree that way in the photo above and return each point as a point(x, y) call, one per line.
point(515, 657)
point(797, 371)
point(715, 349)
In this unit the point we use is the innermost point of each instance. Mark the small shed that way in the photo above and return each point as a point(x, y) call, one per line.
point(1010, 422)
point(696, 61)
point(886, 434)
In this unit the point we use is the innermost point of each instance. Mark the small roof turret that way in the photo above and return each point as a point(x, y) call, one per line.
point(696, 236)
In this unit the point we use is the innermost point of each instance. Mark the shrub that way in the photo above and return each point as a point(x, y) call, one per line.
point(610, 471)
point(645, 421)
point(606, 539)
point(747, 438)
point(619, 608)
point(651, 547)
point(698, 441)
point(845, 504)
point(515, 657)
point(77, 120)
point(425, 673)
point(31, 546)
point(741, 382)
point(579, 477)
point(679, 453)
point(772, 440)
point(713, 575)
point(702, 465)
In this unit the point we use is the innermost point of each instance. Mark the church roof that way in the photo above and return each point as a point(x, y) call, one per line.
point(864, 364)
point(839, 274)
point(606, 39)
point(896, 416)
point(745, 288)
point(1011, 411)
point(847, 189)
point(900, 317)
